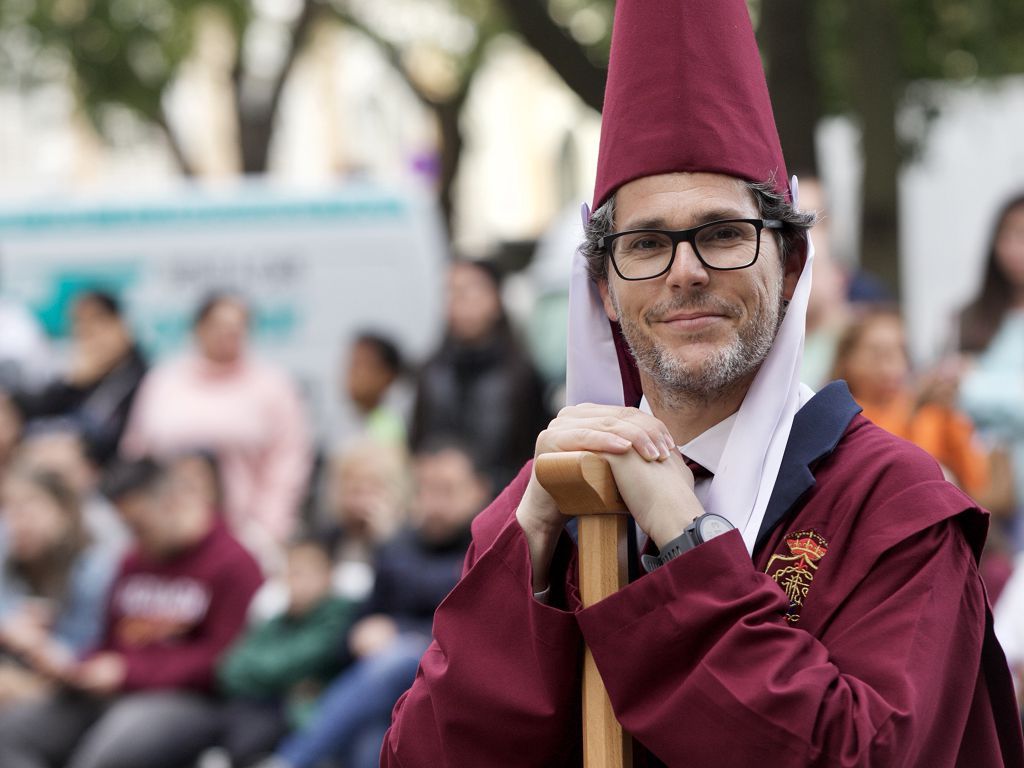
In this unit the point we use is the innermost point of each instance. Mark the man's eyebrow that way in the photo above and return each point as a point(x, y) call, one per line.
point(696, 219)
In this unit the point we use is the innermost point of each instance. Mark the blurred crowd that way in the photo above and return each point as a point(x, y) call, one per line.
point(185, 573)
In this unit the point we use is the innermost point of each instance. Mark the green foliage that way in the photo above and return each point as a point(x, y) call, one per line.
point(124, 52)
point(937, 39)
point(589, 23)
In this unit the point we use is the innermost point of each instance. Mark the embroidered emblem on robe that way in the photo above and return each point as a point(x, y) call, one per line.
point(795, 572)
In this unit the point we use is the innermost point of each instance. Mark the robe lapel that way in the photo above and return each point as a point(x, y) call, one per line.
point(817, 429)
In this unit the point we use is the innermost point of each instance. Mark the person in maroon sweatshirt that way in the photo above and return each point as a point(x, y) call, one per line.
point(141, 698)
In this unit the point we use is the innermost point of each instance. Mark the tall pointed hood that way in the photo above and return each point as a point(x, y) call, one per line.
point(686, 92)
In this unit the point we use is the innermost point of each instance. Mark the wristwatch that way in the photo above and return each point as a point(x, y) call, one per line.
point(704, 528)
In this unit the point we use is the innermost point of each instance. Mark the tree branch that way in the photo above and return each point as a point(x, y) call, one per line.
point(558, 49)
point(390, 51)
point(296, 42)
point(177, 151)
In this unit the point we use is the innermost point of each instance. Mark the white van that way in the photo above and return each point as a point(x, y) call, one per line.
point(316, 266)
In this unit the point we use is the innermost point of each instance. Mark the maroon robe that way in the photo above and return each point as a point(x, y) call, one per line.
point(867, 643)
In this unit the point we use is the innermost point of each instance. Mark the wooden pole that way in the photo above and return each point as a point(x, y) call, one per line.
point(582, 485)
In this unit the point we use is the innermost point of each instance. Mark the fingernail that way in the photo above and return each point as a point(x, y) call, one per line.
point(650, 451)
point(621, 442)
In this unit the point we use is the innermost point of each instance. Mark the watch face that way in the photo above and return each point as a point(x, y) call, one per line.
point(712, 526)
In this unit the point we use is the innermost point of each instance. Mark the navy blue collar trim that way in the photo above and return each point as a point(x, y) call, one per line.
point(817, 429)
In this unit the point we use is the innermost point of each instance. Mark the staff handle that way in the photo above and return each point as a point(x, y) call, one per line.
point(582, 485)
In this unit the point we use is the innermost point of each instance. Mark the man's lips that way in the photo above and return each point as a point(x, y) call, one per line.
point(690, 321)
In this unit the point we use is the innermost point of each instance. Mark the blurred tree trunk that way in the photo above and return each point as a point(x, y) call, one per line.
point(177, 151)
point(257, 113)
point(448, 114)
point(558, 49)
point(876, 91)
point(447, 107)
point(786, 38)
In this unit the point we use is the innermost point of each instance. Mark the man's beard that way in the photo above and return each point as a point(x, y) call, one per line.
point(723, 369)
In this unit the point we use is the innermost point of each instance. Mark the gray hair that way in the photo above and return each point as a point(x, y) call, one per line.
point(792, 238)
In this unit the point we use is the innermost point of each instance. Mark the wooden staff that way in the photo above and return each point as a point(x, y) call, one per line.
point(582, 485)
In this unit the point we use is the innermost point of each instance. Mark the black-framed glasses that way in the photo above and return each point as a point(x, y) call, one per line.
point(642, 254)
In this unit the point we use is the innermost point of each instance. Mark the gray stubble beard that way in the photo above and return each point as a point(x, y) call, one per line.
point(723, 371)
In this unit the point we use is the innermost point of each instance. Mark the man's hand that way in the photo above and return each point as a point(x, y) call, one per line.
point(102, 674)
point(613, 430)
point(658, 494)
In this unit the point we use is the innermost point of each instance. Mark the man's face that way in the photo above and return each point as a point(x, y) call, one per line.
point(145, 514)
point(449, 493)
point(172, 514)
point(696, 331)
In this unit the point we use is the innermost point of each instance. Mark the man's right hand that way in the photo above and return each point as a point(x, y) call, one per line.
point(586, 427)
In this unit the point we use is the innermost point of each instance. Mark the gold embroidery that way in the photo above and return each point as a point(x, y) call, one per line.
point(795, 572)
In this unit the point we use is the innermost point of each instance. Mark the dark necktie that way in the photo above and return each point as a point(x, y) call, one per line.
point(700, 472)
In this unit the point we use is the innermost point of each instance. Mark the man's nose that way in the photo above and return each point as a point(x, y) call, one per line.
point(687, 270)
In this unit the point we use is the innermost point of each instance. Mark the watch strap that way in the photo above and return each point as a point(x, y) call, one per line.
point(685, 541)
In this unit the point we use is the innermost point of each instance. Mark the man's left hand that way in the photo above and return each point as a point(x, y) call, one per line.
point(658, 494)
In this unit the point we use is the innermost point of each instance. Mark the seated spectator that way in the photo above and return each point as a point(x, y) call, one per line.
point(872, 357)
point(247, 412)
point(99, 385)
point(367, 496)
point(415, 571)
point(378, 404)
point(10, 430)
point(141, 698)
point(54, 578)
point(480, 387)
point(57, 446)
point(992, 341)
point(277, 669)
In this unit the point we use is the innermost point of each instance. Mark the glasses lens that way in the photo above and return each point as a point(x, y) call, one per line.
point(642, 254)
point(728, 244)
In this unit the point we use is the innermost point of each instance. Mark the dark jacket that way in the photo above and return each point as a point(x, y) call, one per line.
point(488, 396)
point(414, 576)
point(99, 410)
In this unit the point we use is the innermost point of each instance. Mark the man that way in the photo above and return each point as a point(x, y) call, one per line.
point(141, 699)
point(838, 619)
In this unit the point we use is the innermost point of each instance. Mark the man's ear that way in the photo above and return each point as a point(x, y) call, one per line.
point(791, 270)
point(606, 299)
